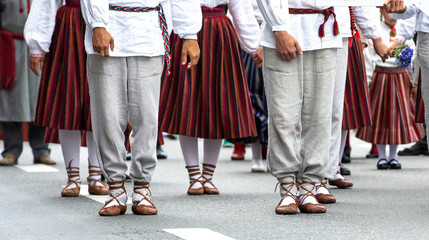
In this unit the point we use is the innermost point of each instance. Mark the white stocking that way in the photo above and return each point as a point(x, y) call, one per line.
point(189, 147)
point(70, 146)
point(256, 150)
point(381, 151)
point(392, 151)
point(93, 164)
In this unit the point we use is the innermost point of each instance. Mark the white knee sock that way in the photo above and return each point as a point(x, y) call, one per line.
point(189, 147)
point(211, 155)
point(93, 164)
point(70, 146)
point(343, 144)
point(392, 151)
point(256, 150)
point(381, 151)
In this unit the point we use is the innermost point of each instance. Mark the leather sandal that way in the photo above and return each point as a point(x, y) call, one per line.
point(72, 188)
point(138, 207)
point(324, 198)
point(291, 208)
point(341, 182)
point(309, 207)
point(195, 171)
point(118, 209)
point(95, 186)
point(207, 171)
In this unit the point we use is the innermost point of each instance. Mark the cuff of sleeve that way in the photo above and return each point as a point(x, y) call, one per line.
point(399, 40)
point(376, 38)
point(189, 36)
point(37, 53)
point(98, 24)
point(280, 28)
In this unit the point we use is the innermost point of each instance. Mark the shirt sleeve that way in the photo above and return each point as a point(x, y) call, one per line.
point(410, 12)
point(246, 25)
point(40, 26)
point(406, 29)
point(367, 20)
point(186, 18)
point(95, 13)
point(276, 13)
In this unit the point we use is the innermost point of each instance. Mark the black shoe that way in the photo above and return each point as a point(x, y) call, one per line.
point(394, 164)
point(372, 154)
point(345, 159)
point(414, 150)
point(160, 154)
point(344, 171)
point(382, 164)
point(128, 158)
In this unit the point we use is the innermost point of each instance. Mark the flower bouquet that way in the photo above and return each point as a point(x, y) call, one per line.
point(403, 55)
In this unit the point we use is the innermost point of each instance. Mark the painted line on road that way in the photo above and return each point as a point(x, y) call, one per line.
point(37, 168)
point(97, 198)
point(197, 234)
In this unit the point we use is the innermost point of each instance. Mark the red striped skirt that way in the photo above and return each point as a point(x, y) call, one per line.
point(392, 109)
point(212, 100)
point(63, 101)
point(420, 105)
point(356, 113)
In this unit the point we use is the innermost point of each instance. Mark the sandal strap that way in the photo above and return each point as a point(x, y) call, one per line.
point(72, 172)
point(193, 170)
point(309, 193)
point(143, 185)
point(113, 186)
point(208, 169)
point(287, 190)
point(196, 181)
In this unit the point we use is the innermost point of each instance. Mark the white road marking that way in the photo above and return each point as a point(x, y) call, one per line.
point(97, 198)
point(197, 234)
point(37, 168)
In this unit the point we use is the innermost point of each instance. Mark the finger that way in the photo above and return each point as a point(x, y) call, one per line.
point(101, 53)
point(106, 51)
point(41, 64)
point(184, 57)
point(34, 69)
point(112, 44)
point(194, 61)
point(298, 48)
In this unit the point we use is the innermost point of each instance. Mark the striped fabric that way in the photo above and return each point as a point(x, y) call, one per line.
point(392, 109)
point(257, 95)
point(63, 101)
point(356, 104)
point(212, 100)
point(420, 105)
point(326, 12)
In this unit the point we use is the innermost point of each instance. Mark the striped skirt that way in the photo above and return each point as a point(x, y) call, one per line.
point(63, 101)
point(356, 113)
point(420, 105)
point(212, 100)
point(257, 95)
point(392, 109)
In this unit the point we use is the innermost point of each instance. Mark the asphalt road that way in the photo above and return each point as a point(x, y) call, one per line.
point(381, 205)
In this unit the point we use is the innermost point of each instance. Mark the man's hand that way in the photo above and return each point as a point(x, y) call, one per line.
point(102, 41)
point(36, 64)
point(286, 45)
point(381, 49)
point(190, 48)
point(258, 57)
point(394, 6)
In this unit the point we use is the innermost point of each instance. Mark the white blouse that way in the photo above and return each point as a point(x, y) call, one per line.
point(138, 33)
point(244, 21)
point(303, 27)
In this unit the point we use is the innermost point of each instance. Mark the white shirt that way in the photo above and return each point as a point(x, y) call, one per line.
point(303, 27)
point(422, 20)
point(243, 19)
point(40, 25)
point(138, 33)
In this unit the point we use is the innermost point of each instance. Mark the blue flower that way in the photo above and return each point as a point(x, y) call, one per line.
point(403, 55)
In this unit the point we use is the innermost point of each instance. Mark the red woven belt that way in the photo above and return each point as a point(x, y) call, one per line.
point(326, 12)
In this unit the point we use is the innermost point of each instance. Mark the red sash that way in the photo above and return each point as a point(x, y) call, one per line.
point(7, 58)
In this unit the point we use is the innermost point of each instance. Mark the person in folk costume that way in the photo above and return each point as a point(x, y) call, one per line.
point(348, 63)
point(299, 63)
point(55, 35)
point(255, 83)
point(127, 44)
point(18, 95)
point(392, 100)
point(211, 101)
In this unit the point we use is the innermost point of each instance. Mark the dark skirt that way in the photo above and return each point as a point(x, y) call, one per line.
point(357, 112)
point(392, 109)
point(63, 101)
point(212, 100)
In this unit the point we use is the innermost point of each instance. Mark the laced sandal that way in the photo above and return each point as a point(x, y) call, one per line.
point(193, 172)
point(120, 208)
point(340, 182)
point(72, 188)
point(138, 207)
point(309, 207)
point(291, 208)
point(323, 195)
point(95, 185)
point(209, 187)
